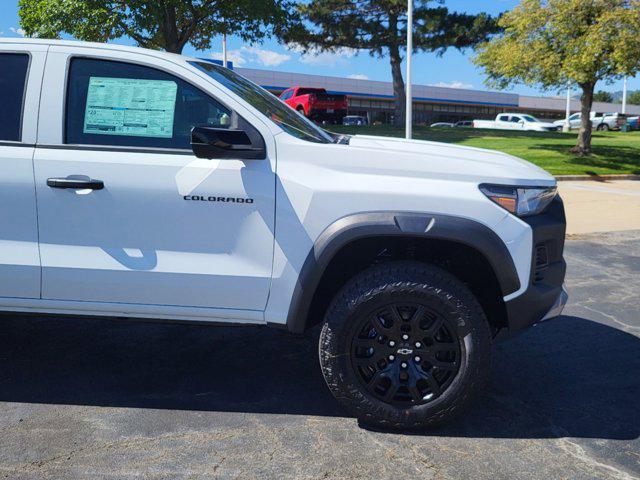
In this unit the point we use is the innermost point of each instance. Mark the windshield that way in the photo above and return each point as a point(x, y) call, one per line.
point(530, 119)
point(270, 106)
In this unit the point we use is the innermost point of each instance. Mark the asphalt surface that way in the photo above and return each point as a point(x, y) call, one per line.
point(86, 398)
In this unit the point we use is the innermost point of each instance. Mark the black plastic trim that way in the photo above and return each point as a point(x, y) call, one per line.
point(396, 224)
point(114, 148)
point(548, 228)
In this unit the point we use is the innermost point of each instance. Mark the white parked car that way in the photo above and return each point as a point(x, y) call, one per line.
point(600, 121)
point(137, 183)
point(516, 121)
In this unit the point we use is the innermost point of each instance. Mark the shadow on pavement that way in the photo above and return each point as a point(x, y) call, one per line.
point(569, 377)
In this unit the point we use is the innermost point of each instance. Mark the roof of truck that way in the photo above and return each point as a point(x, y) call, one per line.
point(102, 46)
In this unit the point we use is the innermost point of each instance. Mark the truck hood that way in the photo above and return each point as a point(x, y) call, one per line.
point(443, 160)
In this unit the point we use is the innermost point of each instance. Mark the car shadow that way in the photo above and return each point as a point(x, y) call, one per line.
point(568, 377)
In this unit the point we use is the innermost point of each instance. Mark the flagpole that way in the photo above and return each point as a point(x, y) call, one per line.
point(409, 104)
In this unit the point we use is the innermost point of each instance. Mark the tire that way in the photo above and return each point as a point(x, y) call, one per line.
point(444, 317)
point(603, 127)
point(300, 110)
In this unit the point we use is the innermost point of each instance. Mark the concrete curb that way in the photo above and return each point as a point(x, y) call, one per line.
point(596, 178)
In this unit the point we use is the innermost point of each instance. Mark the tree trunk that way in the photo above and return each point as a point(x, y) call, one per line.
point(169, 30)
point(584, 136)
point(399, 94)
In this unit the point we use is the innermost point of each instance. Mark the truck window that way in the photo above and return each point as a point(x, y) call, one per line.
point(307, 91)
point(13, 76)
point(266, 103)
point(503, 118)
point(123, 104)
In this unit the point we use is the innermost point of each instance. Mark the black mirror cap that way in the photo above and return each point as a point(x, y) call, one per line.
point(226, 143)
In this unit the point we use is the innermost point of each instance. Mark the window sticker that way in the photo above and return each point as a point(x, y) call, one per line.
point(127, 106)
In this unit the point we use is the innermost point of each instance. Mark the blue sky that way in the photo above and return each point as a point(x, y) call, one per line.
point(453, 69)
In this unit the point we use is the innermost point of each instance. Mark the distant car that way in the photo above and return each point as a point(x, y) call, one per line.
point(464, 124)
point(442, 125)
point(634, 123)
point(355, 120)
point(600, 121)
point(516, 121)
point(316, 103)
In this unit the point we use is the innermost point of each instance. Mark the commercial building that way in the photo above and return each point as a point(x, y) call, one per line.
point(375, 100)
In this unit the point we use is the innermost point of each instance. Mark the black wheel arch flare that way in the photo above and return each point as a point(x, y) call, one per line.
point(396, 224)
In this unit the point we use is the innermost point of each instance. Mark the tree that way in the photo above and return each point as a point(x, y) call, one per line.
point(602, 96)
point(552, 43)
point(158, 24)
point(380, 27)
point(634, 98)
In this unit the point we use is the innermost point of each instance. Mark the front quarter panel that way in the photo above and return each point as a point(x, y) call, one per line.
point(319, 184)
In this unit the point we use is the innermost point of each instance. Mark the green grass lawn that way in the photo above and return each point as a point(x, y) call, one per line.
point(613, 152)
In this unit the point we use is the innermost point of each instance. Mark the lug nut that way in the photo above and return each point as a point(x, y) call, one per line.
point(417, 359)
point(391, 358)
point(418, 344)
point(392, 343)
point(403, 365)
point(405, 337)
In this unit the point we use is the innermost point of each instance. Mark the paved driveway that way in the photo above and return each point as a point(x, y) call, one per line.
point(113, 399)
point(601, 206)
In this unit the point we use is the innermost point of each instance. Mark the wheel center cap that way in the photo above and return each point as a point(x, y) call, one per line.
point(405, 351)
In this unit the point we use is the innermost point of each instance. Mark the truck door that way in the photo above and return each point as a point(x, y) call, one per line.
point(20, 76)
point(128, 214)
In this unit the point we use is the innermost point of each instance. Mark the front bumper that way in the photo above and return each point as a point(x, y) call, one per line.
point(545, 295)
point(558, 307)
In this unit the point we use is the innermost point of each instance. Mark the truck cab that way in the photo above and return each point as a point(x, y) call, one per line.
point(316, 103)
point(143, 184)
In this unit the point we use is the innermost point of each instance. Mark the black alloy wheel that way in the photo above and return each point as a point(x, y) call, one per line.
point(405, 345)
point(405, 353)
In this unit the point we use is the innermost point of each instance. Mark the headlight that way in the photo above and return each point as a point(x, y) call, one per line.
point(521, 201)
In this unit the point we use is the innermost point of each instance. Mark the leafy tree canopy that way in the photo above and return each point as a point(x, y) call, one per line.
point(602, 96)
point(634, 97)
point(380, 27)
point(158, 24)
point(551, 43)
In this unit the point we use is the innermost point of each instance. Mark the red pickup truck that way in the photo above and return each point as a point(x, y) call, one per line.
point(316, 103)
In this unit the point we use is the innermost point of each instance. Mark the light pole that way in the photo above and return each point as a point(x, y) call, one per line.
point(409, 104)
point(224, 50)
point(567, 123)
point(624, 95)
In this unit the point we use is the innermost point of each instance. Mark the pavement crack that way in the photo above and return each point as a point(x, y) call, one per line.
point(611, 317)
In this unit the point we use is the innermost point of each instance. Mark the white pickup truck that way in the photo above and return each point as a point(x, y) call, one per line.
point(141, 184)
point(516, 121)
point(602, 122)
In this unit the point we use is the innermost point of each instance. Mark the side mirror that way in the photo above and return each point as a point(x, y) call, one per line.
point(226, 143)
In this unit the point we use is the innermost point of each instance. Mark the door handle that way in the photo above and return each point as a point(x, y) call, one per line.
point(75, 183)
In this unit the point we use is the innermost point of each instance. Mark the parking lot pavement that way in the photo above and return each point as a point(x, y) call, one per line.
point(86, 398)
point(594, 206)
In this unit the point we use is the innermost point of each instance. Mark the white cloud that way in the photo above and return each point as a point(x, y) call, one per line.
point(454, 84)
point(328, 58)
point(254, 55)
point(358, 76)
point(268, 58)
point(17, 31)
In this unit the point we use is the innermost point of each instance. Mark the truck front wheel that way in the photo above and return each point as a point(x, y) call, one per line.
point(405, 346)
